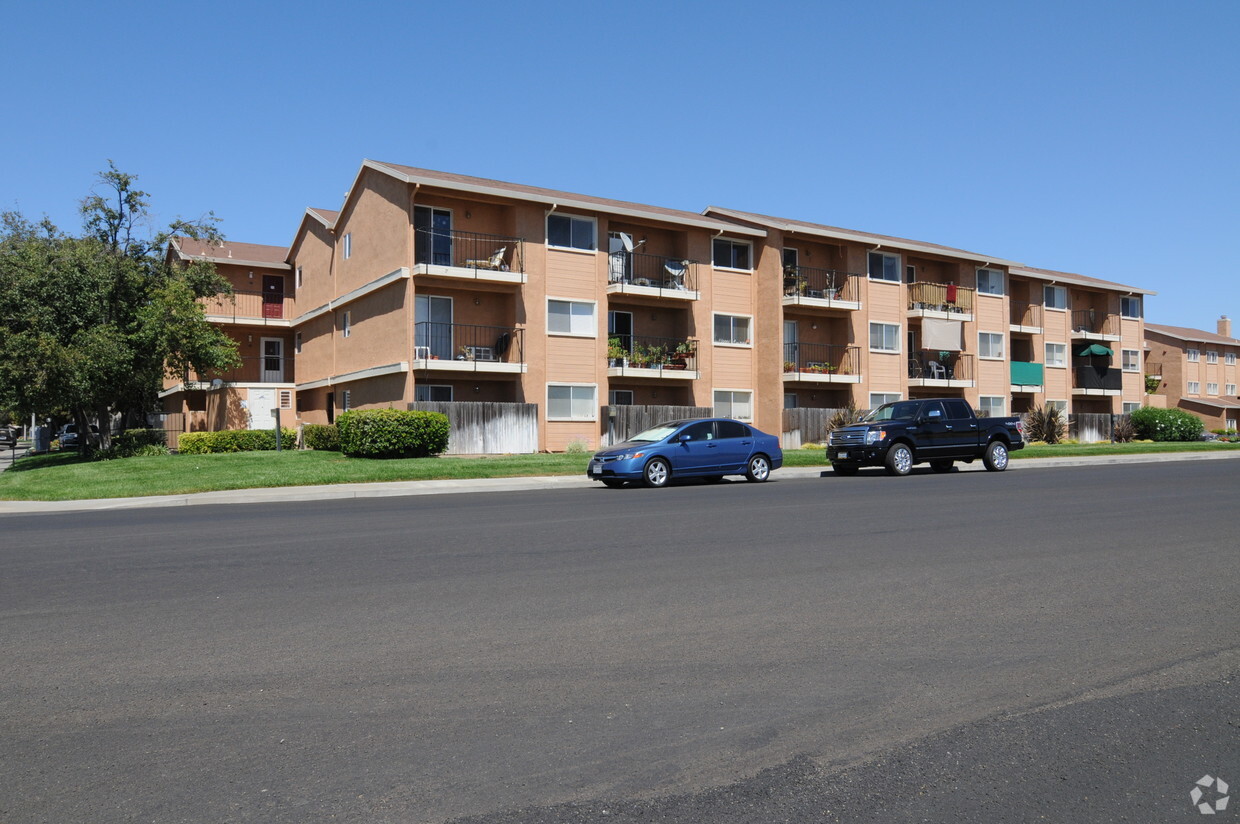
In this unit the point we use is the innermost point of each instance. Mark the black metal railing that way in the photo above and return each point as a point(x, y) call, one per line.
point(469, 250)
point(1095, 321)
point(1097, 377)
point(941, 366)
point(253, 369)
point(822, 358)
point(654, 271)
point(645, 352)
point(1025, 314)
point(467, 342)
point(828, 284)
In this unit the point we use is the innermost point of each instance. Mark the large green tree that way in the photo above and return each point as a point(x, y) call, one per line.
point(91, 323)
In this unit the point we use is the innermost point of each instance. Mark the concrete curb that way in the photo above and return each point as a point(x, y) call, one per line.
point(478, 485)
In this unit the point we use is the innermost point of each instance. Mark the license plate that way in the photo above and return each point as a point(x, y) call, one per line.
point(596, 469)
point(841, 455)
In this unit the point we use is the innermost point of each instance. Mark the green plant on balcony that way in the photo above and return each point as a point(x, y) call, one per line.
point(639, 356)
point(616, 353)
point(789, 366)
point(658, 355)
point(1152, 382)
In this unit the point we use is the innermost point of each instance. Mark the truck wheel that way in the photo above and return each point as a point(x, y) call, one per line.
point(844, 469)
point(996, 457)
point(941, 466)
point(759, 469)
point(899, 460)
point(657, 473)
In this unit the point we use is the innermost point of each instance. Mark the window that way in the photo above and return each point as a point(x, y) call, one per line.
point(877, 399)
point(1062, 406)
point(991, 406)
point(571, 402)
point(990, 345)
point(286, 398)
point(347, 326)
point(1055, 297)
point(348, 245)
point(1130, 307)
point(733, 329)
point(571, 232)
point(571, 317)
point(1131, 360)
point(620, 397)
point(1231, 389)
point(884, 337)
point(1130, 406)
point(298, 277)
point(791, 257)
point(731, 254)
point(1193, 355)
point(790, 400)
point(990, 281)
point(1212, 389)
point(731, 403)
point(732, 429)
point(1194, 387)
point(884, 267)
point(347, 399)
point(426, 392)
point(910, 274)
point(1211, 357)
point(297, 343)
point(1056, 354)
point(1230, 358)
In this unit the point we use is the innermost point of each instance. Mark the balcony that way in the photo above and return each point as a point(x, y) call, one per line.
point(1026, 377)
point(1096, 380)
point(940, 300)
point(821, 363)
point(641, 356)
point(1025, 317)
point(656, 276)
point(253, 369)
point(1093, 324)
point(941, 369)
point(249, 308)
point(463, 347)
point(823, 288)
point(469, 256)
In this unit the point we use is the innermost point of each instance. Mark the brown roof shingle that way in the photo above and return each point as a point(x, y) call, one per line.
point(1188, 334)
point(232, 250)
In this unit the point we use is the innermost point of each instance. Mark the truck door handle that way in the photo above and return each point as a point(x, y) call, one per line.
point(711, 445)
point(947, 426)
point(973, 426)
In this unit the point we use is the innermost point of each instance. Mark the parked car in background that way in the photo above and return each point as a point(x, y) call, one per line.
point(8, 437)
point(69, 434)
point(707, 448)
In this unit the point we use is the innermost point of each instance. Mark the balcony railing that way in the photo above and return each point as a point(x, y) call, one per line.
point(469, 250)
point(822, 358)
point(826, 284)
point(652, 271)
point(1097, 377)
point(1095, 322)
point(1026, 314)
point(467, 342)
point(249, 306)
point(940, 366)
point(645, 352)
point(1026, 374)
point(941, 297)
point(253, 369)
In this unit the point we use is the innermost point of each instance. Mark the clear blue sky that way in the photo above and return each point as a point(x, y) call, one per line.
point(1094, 137)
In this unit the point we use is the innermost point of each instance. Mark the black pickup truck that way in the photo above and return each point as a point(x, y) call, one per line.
point(939, 430)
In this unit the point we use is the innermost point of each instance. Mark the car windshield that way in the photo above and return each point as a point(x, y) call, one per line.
point(656, 433)
point(898, 411)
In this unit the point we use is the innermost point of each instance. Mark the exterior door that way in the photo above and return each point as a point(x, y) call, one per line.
point(260, 403)
point(273, 296)
point(273, 361)
point(432, 327)
point(792, 354)
point(620, 325)
point(432, 236)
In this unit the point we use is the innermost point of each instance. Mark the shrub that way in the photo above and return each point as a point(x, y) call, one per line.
point(577, 447)
point(1046, 424)
point(841, 417)
point(134, 443)
point(234, 440)
point(392, 433)
point(1124, 431)
point(1167, 424)
point(325, 437)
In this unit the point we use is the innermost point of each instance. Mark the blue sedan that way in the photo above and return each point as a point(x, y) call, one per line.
point(699, 448)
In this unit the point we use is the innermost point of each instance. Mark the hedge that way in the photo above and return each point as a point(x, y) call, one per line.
point(1166, 424)
point(392, 433)
point(235, 440)
point(325, 437)
point(135, 443)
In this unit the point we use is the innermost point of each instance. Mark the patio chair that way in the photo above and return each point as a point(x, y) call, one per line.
point(675, 270)
point(495, 262)
point(937, 370)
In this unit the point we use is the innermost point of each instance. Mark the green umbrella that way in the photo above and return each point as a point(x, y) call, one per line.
point(1094, 349)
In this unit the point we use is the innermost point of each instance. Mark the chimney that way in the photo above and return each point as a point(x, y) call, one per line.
point(1224, 326)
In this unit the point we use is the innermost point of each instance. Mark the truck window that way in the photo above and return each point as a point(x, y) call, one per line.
point(898, 411)
point(933, 411)
point(958, 410)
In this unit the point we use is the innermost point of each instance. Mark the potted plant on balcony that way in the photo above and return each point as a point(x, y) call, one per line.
point(681, 356)
point(790, 366)
point(639, 357)
point(658, 356)
point(617, 355)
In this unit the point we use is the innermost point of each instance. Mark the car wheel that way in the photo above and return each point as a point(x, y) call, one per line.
point(899, 460)
point(759, 469)
point(613, 484)
point(713, 479)
point(844, 469)
point(941, 466)
point(996, 457)
point(657, 473)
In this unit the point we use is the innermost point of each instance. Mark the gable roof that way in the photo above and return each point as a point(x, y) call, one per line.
point(1077, 280)
point(1184, 333)
point(231, 252)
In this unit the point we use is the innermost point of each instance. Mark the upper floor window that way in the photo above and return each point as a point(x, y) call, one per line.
point(1211, 388)
point(1230, 359)
point(1211, 357)
point(346, 325)
point(297, 342)
point(1055, 297)
point(1056, 354)
point(1231, 389)
point(732, 329)
point(571, 232)
point(571, 317)
point(348, 245)
point(1194, 387)
point(1130, 307)
point(882, 266)
point(732, 254)
point(885, 337)
point(298, 277)
point(990, 345)
point(1132, 360)
point(990, 281)
point(1193, 355)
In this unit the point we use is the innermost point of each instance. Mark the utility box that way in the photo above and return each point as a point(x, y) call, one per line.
point(42, 439)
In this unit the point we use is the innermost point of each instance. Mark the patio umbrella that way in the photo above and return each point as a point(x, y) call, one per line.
point(1094, 349)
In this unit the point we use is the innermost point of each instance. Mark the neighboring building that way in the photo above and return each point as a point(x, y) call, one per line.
point(1197, 370)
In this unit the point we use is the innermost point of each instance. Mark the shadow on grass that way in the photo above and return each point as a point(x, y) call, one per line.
point(48, 460)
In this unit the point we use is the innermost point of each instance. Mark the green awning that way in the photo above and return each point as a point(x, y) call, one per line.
point(1094, 349)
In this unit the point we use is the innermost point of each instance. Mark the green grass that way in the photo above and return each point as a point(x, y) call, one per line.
point(66, 476)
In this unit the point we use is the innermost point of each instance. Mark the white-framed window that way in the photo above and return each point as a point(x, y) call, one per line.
point(572, 401)
point(884, 337)
point(572, 232)
point(432, 392)
point(733, 329)
point(1211, 357)
point(1054, 297)
point(346, 325)
point(1130, 307)
point(1130, 406)
point(877, 399)
point(990, 345)
point(1062, 406)
point(297, 343)
point(286, 398)
point(1194, 387)
point(347, 242)
point(1056, 354)
point(990, 281)
point(734, 403)
point(882, 266)
point(1230, 359)
point(620, 397)
point(1231, 389)
point(346, 398)
point(572, 317)
point(1212, 388)
point(298, 277)
point(790, 400)
point(1193, 355)
point(1131, 360)
point(992, 405)
point(732, 254)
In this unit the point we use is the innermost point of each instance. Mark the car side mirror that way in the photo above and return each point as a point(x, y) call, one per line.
point(685, 438)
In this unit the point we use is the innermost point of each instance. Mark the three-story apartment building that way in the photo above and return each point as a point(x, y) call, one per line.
point(1197, 370)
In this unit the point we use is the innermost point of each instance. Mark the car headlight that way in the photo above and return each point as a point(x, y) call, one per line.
point(874, 436)
point(631, 456)
point(831, 437)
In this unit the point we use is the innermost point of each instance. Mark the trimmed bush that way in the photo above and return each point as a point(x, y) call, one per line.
point(325, 437)
point(134, 443)
point(1166, 424)
point(392, 433)
point(234, 440)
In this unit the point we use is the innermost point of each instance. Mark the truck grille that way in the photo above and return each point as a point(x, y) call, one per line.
point(845, 437)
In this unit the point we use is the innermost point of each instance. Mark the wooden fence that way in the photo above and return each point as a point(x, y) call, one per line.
point(626, 421)
point(804, 425)
point(1091, 427)
point(482, 428)
point(172, 424)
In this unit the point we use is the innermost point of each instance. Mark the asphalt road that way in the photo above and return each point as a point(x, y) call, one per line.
point(418, 659)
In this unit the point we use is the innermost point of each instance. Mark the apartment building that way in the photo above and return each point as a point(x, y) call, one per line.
point(429, 286)
point(1196, 370)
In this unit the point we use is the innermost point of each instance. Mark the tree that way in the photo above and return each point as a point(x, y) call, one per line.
point(91, 324)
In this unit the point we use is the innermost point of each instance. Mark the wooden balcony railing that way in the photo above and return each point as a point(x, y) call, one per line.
point(942, 297)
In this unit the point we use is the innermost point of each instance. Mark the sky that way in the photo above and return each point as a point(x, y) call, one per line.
point(1091, 137)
